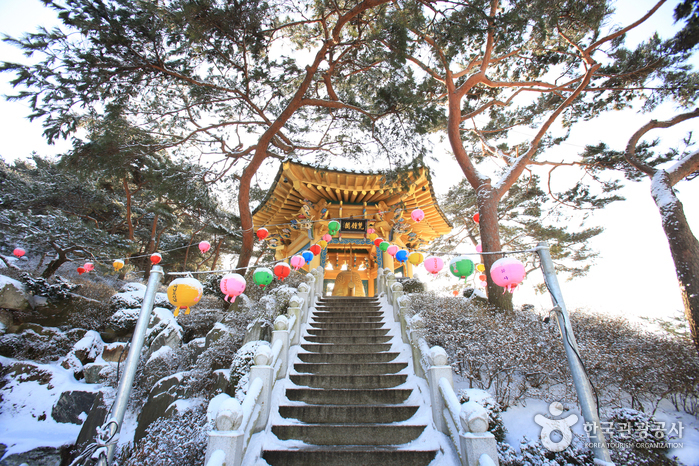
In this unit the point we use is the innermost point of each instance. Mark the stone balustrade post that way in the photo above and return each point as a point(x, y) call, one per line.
point(281, 333)
point(379, 281)
point(474, 437)
point(304, 292)
point(390, 280)
point(262, 369)
point(396, 293)
point(227, 435)
point(311, 283)
point(295, 306)
point(319, 281)
point(439, 369)
point(403, 309)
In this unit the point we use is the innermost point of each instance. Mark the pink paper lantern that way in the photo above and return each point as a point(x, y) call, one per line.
point(508, 273)
point(479, 248)
point(19, 252)
point(327, 238)
point(232, 285)
point(204, 246)
point(89, 266)
point(297, 262)
point(433, 264)
point(392, 250)
point(417, 215)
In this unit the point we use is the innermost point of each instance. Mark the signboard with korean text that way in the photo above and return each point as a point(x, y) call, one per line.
point(351, 225)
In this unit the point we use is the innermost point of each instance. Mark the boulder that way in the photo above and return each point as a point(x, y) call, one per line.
point(115, 352)
point(95, 418)
point(6, 321)
point(258, 330)
point(13, 295)
point(91, 372)
point(163, 330)
point(43, 456)
point(165, 392)
point(71, 405)
point(216, 333)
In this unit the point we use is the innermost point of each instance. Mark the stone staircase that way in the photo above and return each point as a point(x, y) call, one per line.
point(349, 399)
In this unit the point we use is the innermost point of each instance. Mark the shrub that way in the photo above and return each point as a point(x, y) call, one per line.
point(412, 285)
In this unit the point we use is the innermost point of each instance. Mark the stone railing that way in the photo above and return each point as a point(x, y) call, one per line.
point(467, 423)
point(235, 422)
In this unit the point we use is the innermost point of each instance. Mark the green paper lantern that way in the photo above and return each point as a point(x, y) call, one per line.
point(263, 276)
point(461, 267)
point(384, 245)
point(333, 227)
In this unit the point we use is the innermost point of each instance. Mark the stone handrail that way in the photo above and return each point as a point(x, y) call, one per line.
point(466, 424)
point(235, 422)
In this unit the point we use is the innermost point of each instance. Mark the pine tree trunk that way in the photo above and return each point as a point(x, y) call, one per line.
point(684, 248)
point(55, 264)
point(490, 241)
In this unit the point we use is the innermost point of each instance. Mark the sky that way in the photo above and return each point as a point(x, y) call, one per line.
point(633, 276)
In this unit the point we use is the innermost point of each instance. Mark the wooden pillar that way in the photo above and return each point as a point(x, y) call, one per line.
point(388, 261)
point(408, 269)
point(371, 274)
point(315, 262)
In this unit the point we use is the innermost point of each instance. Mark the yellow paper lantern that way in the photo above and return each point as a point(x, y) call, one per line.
point(183, 293)
point(323, 244)
point(416, 258)
point(118, 264)
point(373, 236)
point(480, 268)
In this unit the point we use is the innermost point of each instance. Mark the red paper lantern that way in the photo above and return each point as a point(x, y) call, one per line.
point(155, 258)
point(315, 249)
point(81, 270)
point(262, 233)
point(477, 217)
point(282, 270)
point(19, 252)
point(378, 241)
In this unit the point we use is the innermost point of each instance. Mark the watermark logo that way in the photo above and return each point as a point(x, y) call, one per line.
point(556, 428)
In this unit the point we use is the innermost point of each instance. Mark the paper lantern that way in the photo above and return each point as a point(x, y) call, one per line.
point(416, 258)
point(434, 264)
point(262, 276)
point(282, 270)
point(461, 267)
point(480, 268)
point(508, 272)
point(372, 237)
point(378, 241)
point(89, 266)
point(482, 278)
point(262, 233)
point(184, 293)
point(483, 283)
point(232, 285)
point(479, 248)
point(477, 217)
point(323, 244)
point(417, 215)
point(297, 262)
point(384, 245)
point(392, 250)
point(333, 227)
point(402, 255)
point(204, 246)
point(456, 292)
point(315, 249)
point(118, 264)
point(19, 252)
point(155, 258)
point(370, 231)
point(81, 270)
point(307, 256)
point(327, 238)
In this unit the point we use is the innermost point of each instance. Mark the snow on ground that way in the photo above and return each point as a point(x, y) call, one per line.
point(25, 413)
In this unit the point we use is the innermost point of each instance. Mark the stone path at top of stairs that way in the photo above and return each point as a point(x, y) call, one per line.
point(349, 399)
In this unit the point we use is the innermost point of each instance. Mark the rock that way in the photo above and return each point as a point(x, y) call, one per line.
point(95, 418)
point(71, 405)
point(12, 295)
point(258, 330)
point(44, 456)
point(115, 352)
point(163, 330)
point(91, 372)
point(123, 321)
point(28, 372)
point(222, 382)
point(85, 351)
point(165, 392)
point(6, 321)
point(219, 331)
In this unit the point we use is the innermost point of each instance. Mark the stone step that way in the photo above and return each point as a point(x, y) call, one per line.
point(346, 332)
point(337, 358)
point(374, 368)
point(358, 348)
point(337, 313)
point(320, 308)
point(349, 299)
point(349, 325)
point(348, 396)
point(348, 319)
point(348, 414)
point(348, 381)
point(349, 434)
point(348, 456)
point(347, 340)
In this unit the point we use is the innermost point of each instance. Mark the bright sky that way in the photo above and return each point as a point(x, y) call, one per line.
point(634, 275)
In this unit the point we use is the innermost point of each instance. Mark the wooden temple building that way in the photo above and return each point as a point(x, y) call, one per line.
point(305, 198)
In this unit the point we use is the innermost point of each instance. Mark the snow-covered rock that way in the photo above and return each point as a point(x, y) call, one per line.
point(163, 330)
point(13, 295)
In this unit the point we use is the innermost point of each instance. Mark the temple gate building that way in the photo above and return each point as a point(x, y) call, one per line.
point(305, 198)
